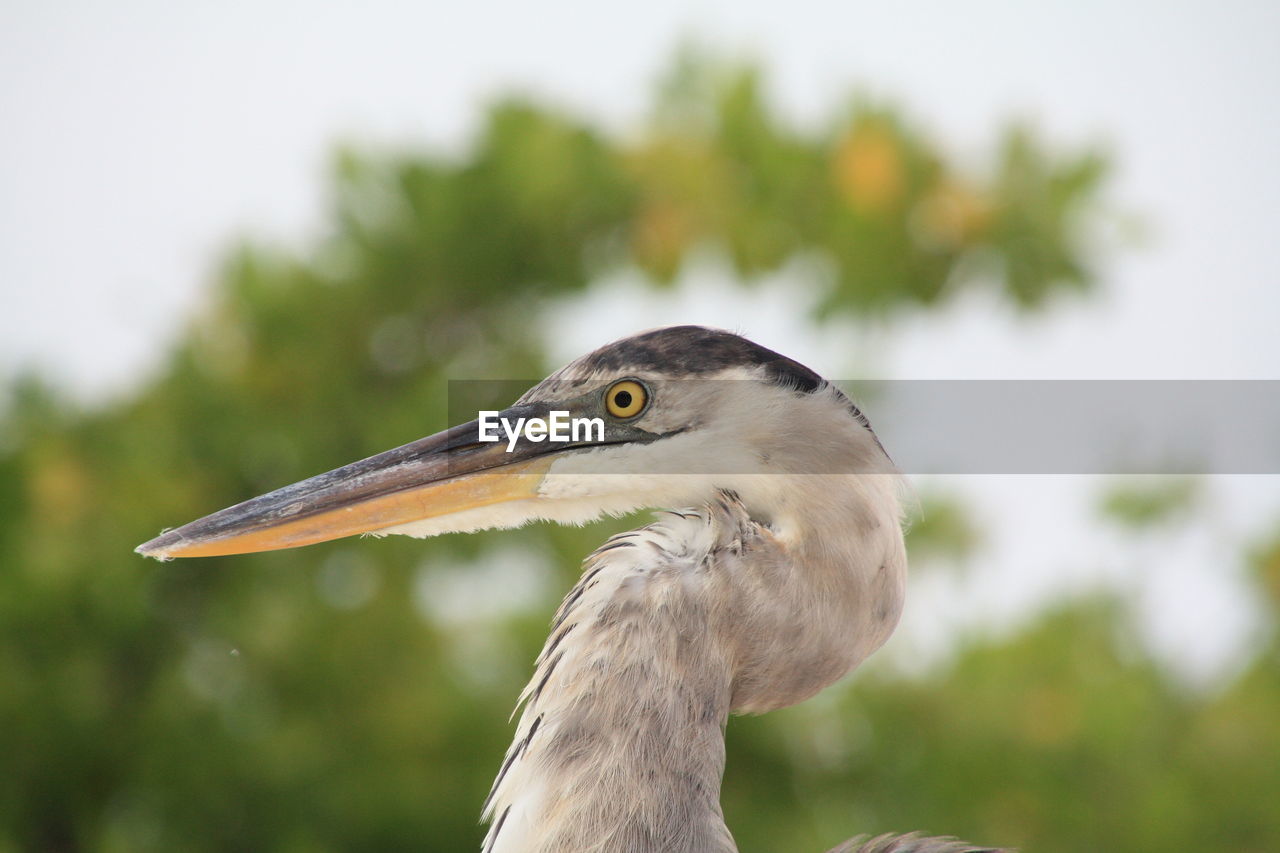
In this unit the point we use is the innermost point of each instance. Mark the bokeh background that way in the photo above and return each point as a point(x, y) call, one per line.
point(244, 243)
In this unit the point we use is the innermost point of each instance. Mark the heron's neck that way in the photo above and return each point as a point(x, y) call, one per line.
point(620, 746)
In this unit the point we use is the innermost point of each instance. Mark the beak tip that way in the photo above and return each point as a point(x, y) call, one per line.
point(159, 548)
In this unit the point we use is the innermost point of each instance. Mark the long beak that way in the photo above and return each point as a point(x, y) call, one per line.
point(445, 473)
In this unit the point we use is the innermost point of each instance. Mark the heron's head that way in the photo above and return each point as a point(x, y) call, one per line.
point(664, 418)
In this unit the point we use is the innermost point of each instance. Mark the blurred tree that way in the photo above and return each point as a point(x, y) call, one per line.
point(1144, 502)
point(940, 525)
point(354, 696)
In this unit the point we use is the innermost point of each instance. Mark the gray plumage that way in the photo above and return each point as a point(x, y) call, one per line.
point(747, 600)
point(911, 843)
point(778, 567)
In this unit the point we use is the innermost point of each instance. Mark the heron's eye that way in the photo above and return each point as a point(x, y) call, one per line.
point(626, 398)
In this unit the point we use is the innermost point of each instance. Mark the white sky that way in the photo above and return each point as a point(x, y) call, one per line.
point(140, 137)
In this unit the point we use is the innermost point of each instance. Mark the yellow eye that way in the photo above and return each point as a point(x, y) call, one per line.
point(626, 399)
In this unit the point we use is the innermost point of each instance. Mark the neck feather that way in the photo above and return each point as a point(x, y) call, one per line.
point(620, 746)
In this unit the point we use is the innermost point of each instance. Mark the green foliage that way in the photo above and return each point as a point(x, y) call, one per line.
point(941, 527)
point(1265, 560)
point(1150, 501)
point(341, 698)
point(875, 196)
point(1064, 737)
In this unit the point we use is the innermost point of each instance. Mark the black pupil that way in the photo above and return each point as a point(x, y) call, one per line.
point(622, 399)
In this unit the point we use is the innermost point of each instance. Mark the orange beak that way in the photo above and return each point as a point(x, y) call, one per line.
point(442, 474)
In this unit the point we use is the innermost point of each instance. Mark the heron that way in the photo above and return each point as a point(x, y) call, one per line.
point(775, 566)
